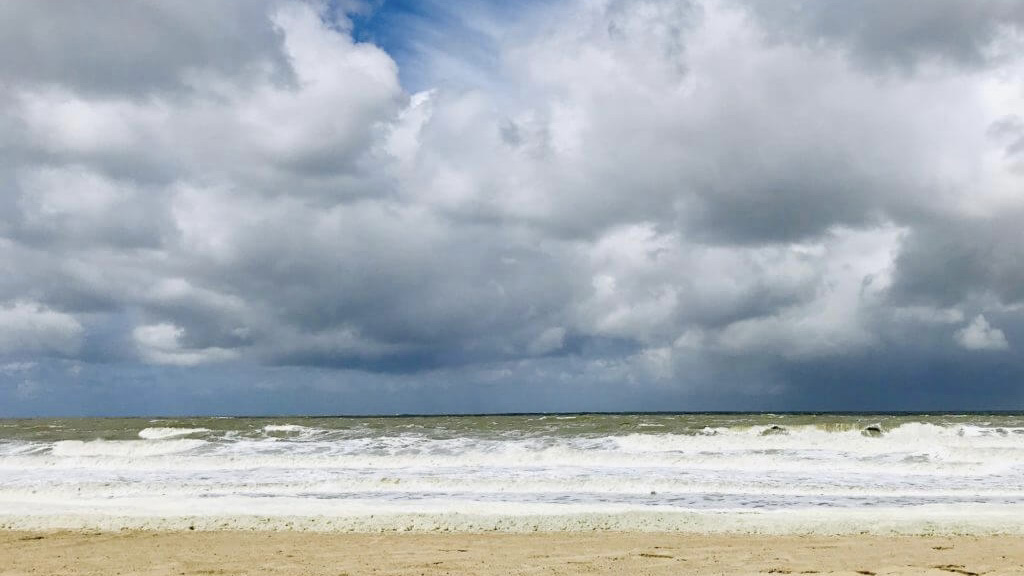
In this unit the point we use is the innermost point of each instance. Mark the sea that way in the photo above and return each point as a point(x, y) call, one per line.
point(754, 473)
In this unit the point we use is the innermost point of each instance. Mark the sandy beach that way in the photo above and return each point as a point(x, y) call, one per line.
point(295, 553)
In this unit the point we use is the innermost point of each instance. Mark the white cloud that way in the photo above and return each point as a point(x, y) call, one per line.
point(979, 335)
point(257, 134)
point(27, 389)
point(17, 367)
point(30, 327)
point(929, 315)
point(62, 121)
point(854, 267)
point(71, 191)
point(76, 204)
point(550, 340)
point(161, 344)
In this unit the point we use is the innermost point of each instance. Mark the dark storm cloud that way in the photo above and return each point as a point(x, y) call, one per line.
point(948, 261)
point(623, 205)
point(372, 286)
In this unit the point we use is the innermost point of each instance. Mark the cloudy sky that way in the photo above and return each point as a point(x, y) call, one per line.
point(419, 206)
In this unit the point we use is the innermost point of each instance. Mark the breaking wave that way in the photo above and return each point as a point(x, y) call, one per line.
point(584, 465)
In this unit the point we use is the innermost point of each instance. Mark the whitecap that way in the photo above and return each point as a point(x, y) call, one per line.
point(157, 433)
point(123, 448)
point(285, 428)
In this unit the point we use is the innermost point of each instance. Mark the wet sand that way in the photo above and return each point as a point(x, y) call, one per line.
point(298, 553)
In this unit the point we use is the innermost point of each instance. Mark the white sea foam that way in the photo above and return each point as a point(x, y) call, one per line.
point(963, 520)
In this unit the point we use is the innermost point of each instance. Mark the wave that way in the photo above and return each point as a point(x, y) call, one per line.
point(287, 428)
point(278, 469)
point(296, 432)
point(128, 449)
point(158, 433)
point(852, 458)
point(301, 440)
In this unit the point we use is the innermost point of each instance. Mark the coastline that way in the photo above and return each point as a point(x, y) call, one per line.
point(160, 553)
point(980, 520)
point(644, 495)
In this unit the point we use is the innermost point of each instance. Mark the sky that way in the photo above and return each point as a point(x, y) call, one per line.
point(301, 207)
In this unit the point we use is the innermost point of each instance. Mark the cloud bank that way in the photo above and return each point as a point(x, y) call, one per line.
point(257, 207)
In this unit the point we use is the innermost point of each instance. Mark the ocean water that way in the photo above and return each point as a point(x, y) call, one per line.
point(696, 472)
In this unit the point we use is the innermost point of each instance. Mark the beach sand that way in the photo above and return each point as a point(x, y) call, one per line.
point(298, 553)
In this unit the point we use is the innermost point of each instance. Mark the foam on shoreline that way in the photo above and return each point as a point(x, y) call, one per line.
point(875, 522)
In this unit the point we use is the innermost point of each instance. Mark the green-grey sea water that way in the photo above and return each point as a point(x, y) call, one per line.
point(491, 426)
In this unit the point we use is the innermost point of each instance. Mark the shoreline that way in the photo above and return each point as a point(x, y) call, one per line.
point(924, 521)
point(163, 553)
